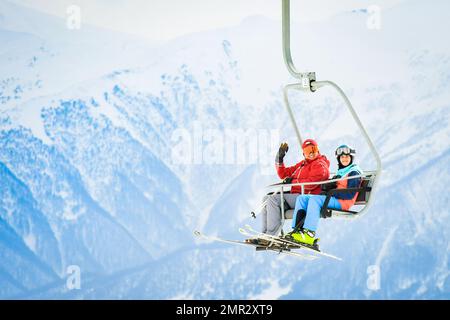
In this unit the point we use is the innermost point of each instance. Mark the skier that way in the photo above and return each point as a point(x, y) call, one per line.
point(311, 205)
point(315, 167)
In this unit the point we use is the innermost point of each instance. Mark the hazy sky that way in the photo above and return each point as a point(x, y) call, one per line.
point(165, 19)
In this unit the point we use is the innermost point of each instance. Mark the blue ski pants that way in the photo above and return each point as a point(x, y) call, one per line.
point(312, 204)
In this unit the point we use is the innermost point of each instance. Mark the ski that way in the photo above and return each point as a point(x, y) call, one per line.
point(280, 246)
point(267, 248)
point(280, 243)
point(297, 254)
point(293, 245)
point(202, 235)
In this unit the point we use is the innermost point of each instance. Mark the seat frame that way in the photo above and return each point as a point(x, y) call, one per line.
point(363, 197)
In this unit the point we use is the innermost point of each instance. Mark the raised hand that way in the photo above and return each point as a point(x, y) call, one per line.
point(282, 152)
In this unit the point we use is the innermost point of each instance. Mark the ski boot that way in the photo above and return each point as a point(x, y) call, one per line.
point(305, 237)
point(288, 236)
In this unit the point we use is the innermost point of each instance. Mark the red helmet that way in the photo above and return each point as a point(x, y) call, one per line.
point(308, 142)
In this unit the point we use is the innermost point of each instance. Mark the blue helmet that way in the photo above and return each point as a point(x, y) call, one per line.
point(344, 149)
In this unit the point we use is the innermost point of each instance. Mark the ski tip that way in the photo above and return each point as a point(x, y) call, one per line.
point(331, 256)
point(328, 255)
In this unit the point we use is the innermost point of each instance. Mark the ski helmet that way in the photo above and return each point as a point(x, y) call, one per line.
point(308, 142)
point(310, 145)
point(344, 149)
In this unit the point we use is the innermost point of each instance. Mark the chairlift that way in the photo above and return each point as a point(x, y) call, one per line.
point(306, 82)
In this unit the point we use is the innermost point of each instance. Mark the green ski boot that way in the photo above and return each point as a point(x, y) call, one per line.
point(305, 237)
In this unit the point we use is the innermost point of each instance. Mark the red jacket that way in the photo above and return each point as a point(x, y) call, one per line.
point(306, 171)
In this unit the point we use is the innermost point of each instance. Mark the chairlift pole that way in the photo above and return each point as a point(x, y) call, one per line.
point(286, 20)
point(305, 78)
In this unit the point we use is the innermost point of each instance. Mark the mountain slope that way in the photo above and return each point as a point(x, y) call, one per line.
point(87, 140)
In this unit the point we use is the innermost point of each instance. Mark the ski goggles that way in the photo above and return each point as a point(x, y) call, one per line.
point(310, 148)
point(344, 150)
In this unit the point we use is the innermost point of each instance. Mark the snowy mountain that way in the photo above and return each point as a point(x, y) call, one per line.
point(90, 119)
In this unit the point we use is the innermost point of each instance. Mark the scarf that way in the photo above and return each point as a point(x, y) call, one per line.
point(346, 170)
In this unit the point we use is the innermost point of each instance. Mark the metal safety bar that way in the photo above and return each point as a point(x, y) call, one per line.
point(281, 188)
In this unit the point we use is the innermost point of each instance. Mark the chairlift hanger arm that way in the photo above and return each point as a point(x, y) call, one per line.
point(309, 83)
point(305, 77)
point(286, 29)
point(319, 84)
point(289, 110)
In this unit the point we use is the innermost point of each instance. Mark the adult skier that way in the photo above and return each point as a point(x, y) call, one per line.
point(315, 167)
point(311, 205)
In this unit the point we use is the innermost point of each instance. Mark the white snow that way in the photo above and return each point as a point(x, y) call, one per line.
point(30, 241)
point(272, 291)
point(385, 246)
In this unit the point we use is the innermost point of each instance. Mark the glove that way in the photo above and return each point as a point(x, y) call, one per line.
point(288, 180)
point(331, 185)
point(282, 152)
